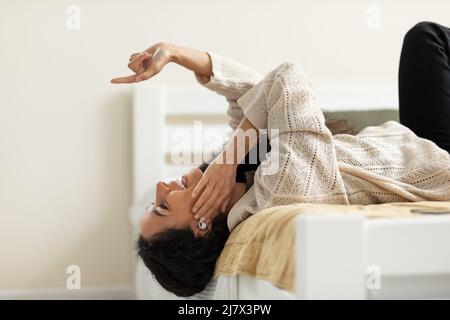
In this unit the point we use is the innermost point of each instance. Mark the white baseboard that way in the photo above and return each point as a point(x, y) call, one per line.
point(90, 293)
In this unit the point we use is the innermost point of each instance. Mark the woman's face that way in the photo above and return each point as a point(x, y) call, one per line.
point(173, 207)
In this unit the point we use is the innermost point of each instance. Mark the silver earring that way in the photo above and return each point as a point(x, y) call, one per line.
point(202, 225)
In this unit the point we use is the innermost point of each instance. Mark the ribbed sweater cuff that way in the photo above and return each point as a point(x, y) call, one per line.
point(217, 70)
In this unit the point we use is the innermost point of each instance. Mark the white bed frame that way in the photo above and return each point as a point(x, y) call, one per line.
point(337, 256)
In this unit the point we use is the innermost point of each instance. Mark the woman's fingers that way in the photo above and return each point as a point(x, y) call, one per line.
point(138, 61)
point(145, 64)
point(217, 201)
point(200, 185)
point(146, 75)
point(128, 79)
point(203, 198)
point(137, 64)
point(210, 205)
point(151, 70)
point(134, 56)
point(218, 181)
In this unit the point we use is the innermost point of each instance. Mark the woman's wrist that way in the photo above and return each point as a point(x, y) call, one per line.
point(228, 158)
point(175, 53)
point(195, 60)
point(242, 140)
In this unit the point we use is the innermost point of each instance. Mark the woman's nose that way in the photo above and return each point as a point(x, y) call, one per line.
point(162, 187)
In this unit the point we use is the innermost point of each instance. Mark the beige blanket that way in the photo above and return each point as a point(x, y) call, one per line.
point(262, 245)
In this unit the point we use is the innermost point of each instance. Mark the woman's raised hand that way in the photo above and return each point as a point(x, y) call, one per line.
point(218, 181)
point(148, 63)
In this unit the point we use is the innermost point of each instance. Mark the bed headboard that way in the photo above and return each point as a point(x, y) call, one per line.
point(159, 110)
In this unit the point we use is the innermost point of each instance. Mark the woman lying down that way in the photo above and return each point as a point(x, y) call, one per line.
point(316, 160)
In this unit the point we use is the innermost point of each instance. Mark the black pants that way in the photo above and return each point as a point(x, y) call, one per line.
point(424, 82)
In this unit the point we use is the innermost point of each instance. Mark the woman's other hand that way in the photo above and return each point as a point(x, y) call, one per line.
point(148, 63)
point(219, 178)
point(218, 181)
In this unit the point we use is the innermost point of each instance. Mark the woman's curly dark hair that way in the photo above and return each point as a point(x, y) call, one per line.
point(181, 262)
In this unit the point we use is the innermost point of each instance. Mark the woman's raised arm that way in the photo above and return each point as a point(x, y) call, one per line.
point(150, 62)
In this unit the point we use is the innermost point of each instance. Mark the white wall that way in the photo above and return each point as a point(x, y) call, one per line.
point(65, 131)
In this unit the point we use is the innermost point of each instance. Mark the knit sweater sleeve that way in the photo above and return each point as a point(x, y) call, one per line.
point(231, 80)
point(302, 164)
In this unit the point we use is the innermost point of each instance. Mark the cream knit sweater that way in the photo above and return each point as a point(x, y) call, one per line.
point(386, 163)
